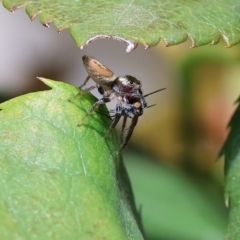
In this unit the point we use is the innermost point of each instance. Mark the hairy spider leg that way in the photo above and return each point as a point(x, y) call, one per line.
point(113, 124)
point(105, 114)
point(116, 119)
point(82, 91)
point(94, 106)
point(85, 82)
point(119, 112)
point(128, 133)
point(86, 89)
point(124, 124)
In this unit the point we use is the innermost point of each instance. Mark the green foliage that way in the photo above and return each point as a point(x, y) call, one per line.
point(62, 181)
point(173, 205)
point(231, 150)
point(142, 21)
point(59, 180)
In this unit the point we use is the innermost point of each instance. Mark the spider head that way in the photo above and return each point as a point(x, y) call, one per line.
point(127, 85)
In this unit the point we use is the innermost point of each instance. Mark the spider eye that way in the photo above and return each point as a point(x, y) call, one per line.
point(132, 80)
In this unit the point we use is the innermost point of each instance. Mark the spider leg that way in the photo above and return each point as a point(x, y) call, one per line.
point(82, 92)
point(116, 119)
point(94, 106)
point(128, 133)
point(124, 124)
point(113, 124)
point(85, 82)
point(105, 114)
point(86, 90)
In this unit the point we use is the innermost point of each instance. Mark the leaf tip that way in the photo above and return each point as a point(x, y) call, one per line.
point(226, 39)
point(13, 9)
point(165, 43)
point(40, 78)
point(228, 46)
point(60, 29)
point(193, 45)
point(48, 82)
point(46, 24)
point(33, 16)
point(192, 40)
point(215, 41)
point(146, 46)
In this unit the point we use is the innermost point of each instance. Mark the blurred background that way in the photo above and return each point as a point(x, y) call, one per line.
point(172, 159)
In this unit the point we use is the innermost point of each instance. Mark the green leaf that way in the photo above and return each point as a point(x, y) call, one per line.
point(58, 180)
point(231, 150)
point(173, 205)
point(147, 22)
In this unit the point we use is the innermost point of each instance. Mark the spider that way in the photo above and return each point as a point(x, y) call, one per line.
point(127, 90)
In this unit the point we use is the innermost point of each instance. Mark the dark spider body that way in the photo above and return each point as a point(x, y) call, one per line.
point(127, 90)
